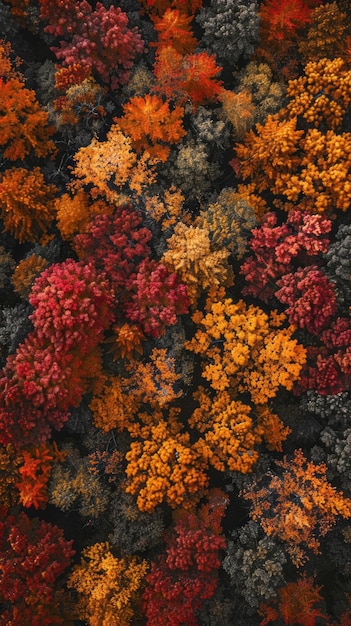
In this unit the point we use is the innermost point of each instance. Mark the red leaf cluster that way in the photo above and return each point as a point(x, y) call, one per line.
point(310, 297)
point(159, 296)
point(116, 244)
point(278, 248)
point(33, 554)
point(181, 580)
point(51, 369)
point(98, 39)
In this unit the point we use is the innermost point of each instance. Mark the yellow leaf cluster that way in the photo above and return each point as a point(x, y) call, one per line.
point(244, 351)
point(190, 255)
point(229, 221)
point(168, 210)
point(108, 587)
point(239, 109)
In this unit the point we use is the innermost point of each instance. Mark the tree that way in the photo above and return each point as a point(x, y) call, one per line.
point(163, 466)
point(181, 580)
point(116, 243)
point(174, 29)
point(310, 296)
point(98, 39)
point(26, 203)
point(109, 168)
point(245, 350)
point(151, 124)
point(33, 555)
point(190, 76)
point(298, 505)
point(277, 248)
point(295, 604)
point(157, 297)
point(108, 586)
point(199, 265)
point(25, 128)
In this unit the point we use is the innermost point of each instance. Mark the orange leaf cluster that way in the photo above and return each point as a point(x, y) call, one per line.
point(229, 434)
point(165, 468)
point(270, 153)
point(74, 212)
point(174, 29)
point(296, 504)
point(187, 77)
point(322, 94)
point(295, 604)
point(108, 586)
point(24, 123)
point(126, 341)
point(326, 35)
point(245, 351)
point(26, 203)
point(151, 124)
point(35, 473)
point(26, 272)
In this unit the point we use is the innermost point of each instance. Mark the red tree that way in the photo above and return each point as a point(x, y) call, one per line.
point(33, 555)
point(159, 296)
point(98, 39)
point(181, 580)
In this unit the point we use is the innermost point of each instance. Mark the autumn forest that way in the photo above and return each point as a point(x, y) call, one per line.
point(175, 313)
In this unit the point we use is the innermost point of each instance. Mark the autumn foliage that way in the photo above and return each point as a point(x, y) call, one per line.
point(34, 554)
point(175, 319)
point(181, 580)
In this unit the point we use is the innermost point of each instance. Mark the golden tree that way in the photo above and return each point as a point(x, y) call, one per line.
point(245, 350)
point(190, 255)
point(108, 586)
point(165, 467)
point(229, 436)
point(111, 168)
